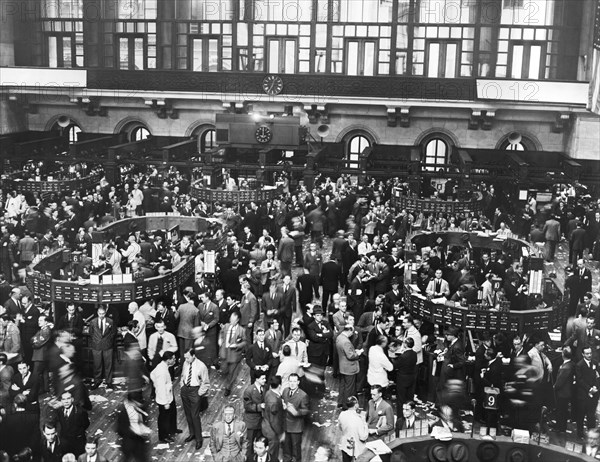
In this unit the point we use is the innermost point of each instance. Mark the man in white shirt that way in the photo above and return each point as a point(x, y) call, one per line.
point(298, 348)
point(438, 287)
point(167, 413)
point(194, 388)
point(131, 252)
point(159, 342)
point(288, 366)
point(140, 331)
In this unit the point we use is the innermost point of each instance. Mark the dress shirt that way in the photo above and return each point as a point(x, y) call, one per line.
point(199, 376)
point(161, 378)
point(169, 343)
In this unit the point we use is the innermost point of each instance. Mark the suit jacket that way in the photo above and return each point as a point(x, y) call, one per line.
point(74, 426)
point(100, 341)
point(285, 251)
point(347, 356)
point(234, 354)
point(253, 398)
point(188, 314)
point(45, 454)
point(209, 314)
point(390, 299)
point(313, 263)
point(289, 301)
point(320, 337)
point(40, 343)
point(32, 385)
point(577, 239)
point(331, 276)
point(492, 376)
point(406, 363)
point(581, 338)
point(366, 322)
point(551, 230)
point(256, 356)
point(273, 423)
point(356, 295)
point(13, 308)
point(217, 434)
point(272, 303)
point(248, 309)
point(27, 248)
point(380, 417)
point(563, 387)
point(295, 423)
point(29, 328)
point(19, 430)
point(274, 340)
point(586, 377)
point(74, 325)
point(455, 356)
point(149, 251)
point(308, 287)
point(583, 283)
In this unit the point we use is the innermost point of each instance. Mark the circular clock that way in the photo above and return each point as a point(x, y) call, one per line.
point(263, 134)
point(272, 85)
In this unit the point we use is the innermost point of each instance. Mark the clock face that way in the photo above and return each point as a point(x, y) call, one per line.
point(272, 84)
point(263, 134)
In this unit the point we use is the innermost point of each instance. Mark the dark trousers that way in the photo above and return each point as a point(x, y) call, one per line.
point(586, 409)
point(347, 388)
point(326, 295)
point(299, 256)
point(103, 358)
point(167, 420)
point(135, 449)
point(576, 255)
point(40, 370)
point(562, 413)
point(251, 435)
point(292, 447)
point(550, 249)
point(231, 372)
point(191, 406)
point(285, 268)
point(74, 445)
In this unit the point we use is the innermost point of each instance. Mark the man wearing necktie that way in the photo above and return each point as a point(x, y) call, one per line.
point(258, 356)
point(254, 404)
point(208, 317)
point(228, 441)
point(50, 445)
point(194, 388)
point(590, 336)
point(102, 335)
point(272, 304)
point(295, 404)
point(232, 343)
point(289, 303)
point(73, 422)
point(586, 391)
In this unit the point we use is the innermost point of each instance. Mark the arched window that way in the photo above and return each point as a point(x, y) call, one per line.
point(207, 140)
point(357, 143)
point(139, 133)
point(73, 130)
point(521, 143)
point(435, 153)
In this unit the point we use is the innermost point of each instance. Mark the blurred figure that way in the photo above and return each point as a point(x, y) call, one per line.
point(134, 366)
point(133, 431)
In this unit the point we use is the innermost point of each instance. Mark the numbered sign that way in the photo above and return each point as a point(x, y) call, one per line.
point(490, 398)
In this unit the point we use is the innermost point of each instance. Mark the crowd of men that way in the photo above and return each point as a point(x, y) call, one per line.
point(288, 309)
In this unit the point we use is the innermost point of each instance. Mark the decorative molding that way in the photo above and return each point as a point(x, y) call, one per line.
point(200, 126)
point(163, 108)
point(20, 103)
point(123, 124)
point(474, 120)
point(562, 121)
point(91, 106)
point(360, 130)
point(487, 120)
point(52, 121)
point(404, 117)
point(317, 113)
point(437, 130)
point(391, 116)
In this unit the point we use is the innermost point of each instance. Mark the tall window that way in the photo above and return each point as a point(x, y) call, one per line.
point(132, 52)
point(361, 57)
point(65, 50)
point(443, 59)
point(436, 154)
point(282, 54)
point(527, 59)
point(205, 54)
point(356, 145)
point(73, 131)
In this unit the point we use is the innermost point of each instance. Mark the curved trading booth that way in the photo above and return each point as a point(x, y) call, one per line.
point(401, 201)
point(266, 193)
point(463, 449)
point(479, 317)
point(18, 183)
point(45, 285)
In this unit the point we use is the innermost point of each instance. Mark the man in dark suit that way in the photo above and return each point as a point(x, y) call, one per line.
point(577, 243)
point(73, 422)
point(320, 336)
point(405, 365)
point(331, 277)
point(259, 356)
point(583, 282)
point(261, 451)
point(563, 389)
point(232, 342)
point(285, 252)
point(288, 300)
point(453, 359)
point(380, 420)
point(552, 234)
point(356, 294)
point(28, 325)
point(273, 422)
point(272, 305)
point(586, 377)
point(28, 385)
point(491, 376)
point(50, 447)
point(308, 288)
point(392, 296)
point(13, 304)
point(102, 336)
point(295, 404)
point(254, 404)
point(20, 428)
point(228, 438)
point(349, 257)
point(408, 419)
